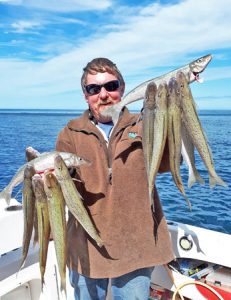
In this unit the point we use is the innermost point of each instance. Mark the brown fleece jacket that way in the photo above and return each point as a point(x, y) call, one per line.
point(115, 193)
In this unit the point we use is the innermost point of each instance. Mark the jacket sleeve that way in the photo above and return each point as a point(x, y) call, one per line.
point(164, 165)
point(63, 142)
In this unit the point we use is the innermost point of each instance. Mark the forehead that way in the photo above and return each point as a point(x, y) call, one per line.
point(100, 78)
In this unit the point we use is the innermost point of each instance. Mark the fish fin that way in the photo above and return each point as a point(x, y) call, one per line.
point(216, 180)
point(6, 194)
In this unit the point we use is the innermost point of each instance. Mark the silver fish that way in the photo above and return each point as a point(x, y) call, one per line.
point(74, 200)
point(42, 162)
point(191, 71)
point(43, 222)
point(28, 204)
point(148, 116)
point(194, 128)
point(56, 210)
point(174, 136)
point(32, 153)
point(160, 135)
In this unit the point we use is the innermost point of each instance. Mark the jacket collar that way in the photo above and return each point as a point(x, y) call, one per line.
point(83, 123)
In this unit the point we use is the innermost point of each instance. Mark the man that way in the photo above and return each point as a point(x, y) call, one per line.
point(115, 192)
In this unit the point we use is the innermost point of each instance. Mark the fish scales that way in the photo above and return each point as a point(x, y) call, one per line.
point(28, 204)
point(194, 128)
point(174, 135)
point(56, 208)
point(191, 71)
point(74, 200)
point(160, 135)
point(43, 222)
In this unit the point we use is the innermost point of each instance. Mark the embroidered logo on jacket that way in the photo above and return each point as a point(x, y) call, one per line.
point(132, 135)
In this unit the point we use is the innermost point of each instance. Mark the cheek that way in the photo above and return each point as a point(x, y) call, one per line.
point(92, 100)
point(115, 96)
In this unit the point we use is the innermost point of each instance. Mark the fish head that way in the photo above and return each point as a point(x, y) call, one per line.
point(172, 85)
point(50, 180)
point(183, 87)
point(173, 91)
point(72, 160)
point(29, 171)
point(61, 168)
point(150, 94)
point(162, 90)
point(78, 161)
point(38, 187)
point(161, 96)
point(31, 153)
point(197, 66)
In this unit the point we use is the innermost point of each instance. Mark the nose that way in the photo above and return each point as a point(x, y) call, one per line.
point(103, 94)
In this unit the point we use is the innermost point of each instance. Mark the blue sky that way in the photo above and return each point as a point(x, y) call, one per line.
point(44, 44)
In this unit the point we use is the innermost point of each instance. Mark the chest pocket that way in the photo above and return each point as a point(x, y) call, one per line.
point(129, 151)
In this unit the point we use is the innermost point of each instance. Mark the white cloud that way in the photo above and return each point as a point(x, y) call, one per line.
point(23, 26)
point(62, 5)
point(155, 37)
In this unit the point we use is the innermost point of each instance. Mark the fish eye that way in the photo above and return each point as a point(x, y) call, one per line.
point(199, 60)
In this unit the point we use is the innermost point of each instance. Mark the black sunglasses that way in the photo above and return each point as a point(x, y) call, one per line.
point(110, 86)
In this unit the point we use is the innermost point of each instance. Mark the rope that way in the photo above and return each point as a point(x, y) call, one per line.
point(196, 283)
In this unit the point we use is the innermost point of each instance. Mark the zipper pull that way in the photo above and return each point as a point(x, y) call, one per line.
point(110, 175)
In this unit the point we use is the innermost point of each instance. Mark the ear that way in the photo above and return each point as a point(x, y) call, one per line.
point(122, 89)
point(86, 97)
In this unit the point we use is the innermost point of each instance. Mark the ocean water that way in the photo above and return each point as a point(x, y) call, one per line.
point(211, 208)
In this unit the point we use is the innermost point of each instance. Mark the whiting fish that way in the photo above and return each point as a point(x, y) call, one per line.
point(191, 71)
point(41, 163)
point(28, 203)
point(160, 135)
point(32, 153)
point(56, 208)
point(74, 200)
point(174, 135)
point(187, 152)
point(194, 128)
point(43, 222)
point(148, 116)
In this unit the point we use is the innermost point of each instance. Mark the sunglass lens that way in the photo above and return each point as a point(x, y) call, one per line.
point(93, 89)
point(112, 86)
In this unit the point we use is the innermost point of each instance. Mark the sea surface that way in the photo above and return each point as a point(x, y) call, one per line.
point(211, 208)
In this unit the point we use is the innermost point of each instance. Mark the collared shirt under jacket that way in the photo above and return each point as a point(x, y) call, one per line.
point(115, 192)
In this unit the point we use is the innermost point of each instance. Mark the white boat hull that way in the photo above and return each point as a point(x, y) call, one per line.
point(205, 245)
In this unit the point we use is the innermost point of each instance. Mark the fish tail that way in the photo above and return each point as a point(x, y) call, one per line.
point(195, 177)
point(100, 242)
point(181, 189)
point(188, 202)
point(63, 286)
point(6, 194)
point(213, 180)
